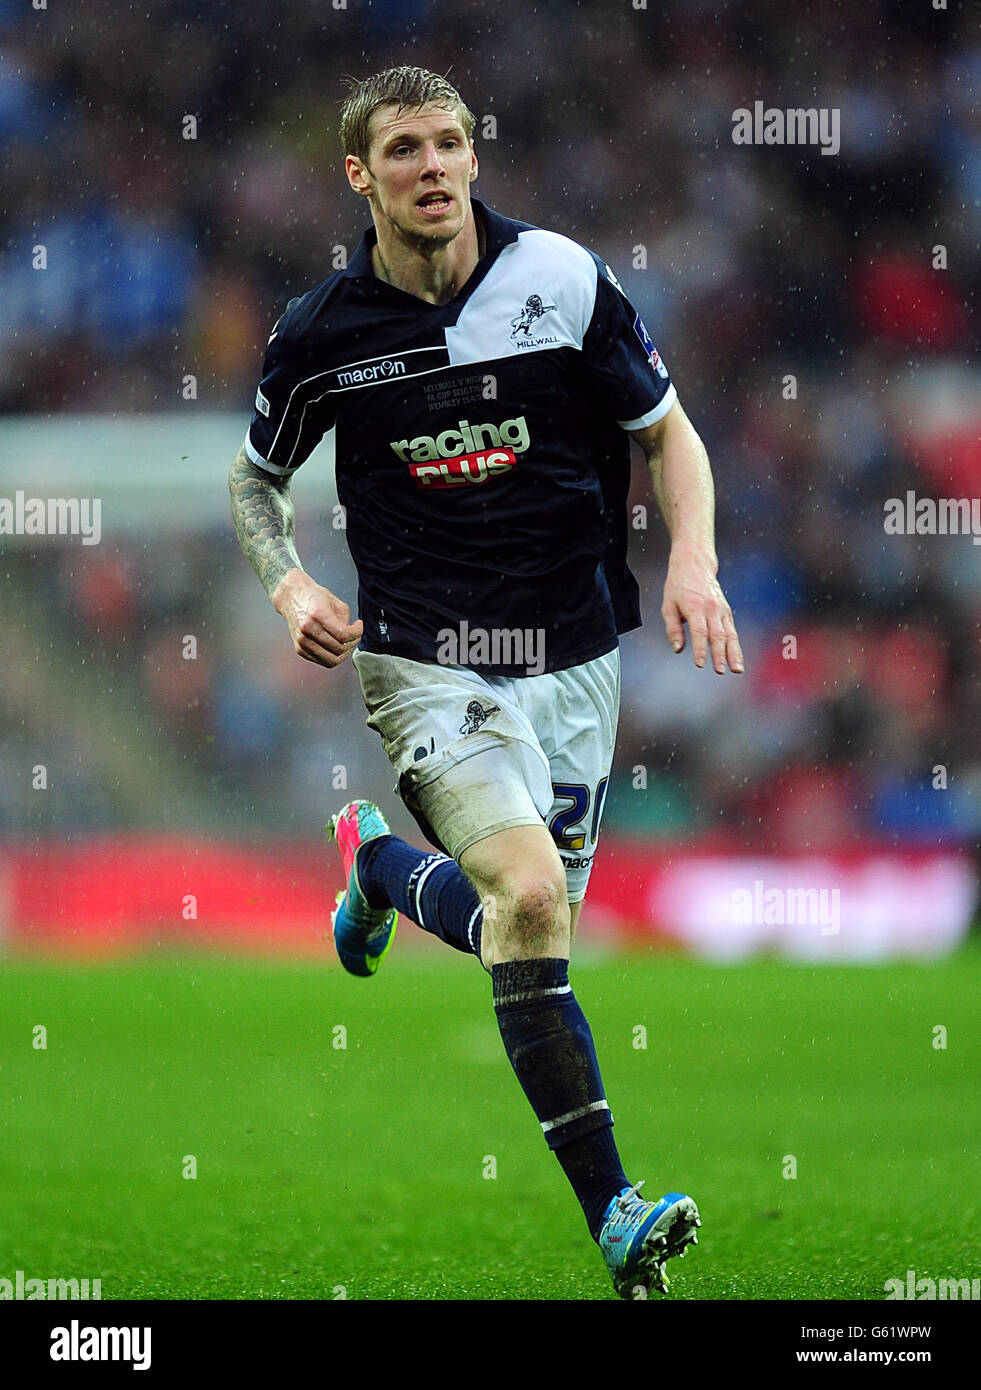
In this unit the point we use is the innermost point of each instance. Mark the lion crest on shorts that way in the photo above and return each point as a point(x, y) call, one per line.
point(476, 715)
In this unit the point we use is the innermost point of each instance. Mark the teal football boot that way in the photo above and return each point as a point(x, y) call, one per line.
point(363, 935)
point(637, 1237)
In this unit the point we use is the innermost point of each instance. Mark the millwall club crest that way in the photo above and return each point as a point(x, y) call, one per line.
point(476, 715)
point(534, 309)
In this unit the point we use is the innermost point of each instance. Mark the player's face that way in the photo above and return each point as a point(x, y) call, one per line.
point(420, 165)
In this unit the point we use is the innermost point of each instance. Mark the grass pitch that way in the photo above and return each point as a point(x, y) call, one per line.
point(367, 1139)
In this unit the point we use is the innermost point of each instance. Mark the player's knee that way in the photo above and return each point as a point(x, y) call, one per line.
point(535, 917)
point(540, 902)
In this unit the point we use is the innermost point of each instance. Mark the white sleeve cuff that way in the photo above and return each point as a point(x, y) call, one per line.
point(652, 416)
point(260, 462)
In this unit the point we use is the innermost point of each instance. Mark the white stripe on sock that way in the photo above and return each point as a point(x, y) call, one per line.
point(437, 860)
point(532, 994)
point(574, 1115)
point(472, 923)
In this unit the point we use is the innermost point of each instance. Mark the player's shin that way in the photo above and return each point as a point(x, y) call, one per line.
point(429, 888)
point(550, 1046)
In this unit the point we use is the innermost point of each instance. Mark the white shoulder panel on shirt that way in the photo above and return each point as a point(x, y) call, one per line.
point(539, 294)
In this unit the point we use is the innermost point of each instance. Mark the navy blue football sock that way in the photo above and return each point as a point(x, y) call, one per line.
point(592, 1165)
point(429, 888)
point(550, 1047)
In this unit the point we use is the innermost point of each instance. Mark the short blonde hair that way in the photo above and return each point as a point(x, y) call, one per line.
point(403, 87)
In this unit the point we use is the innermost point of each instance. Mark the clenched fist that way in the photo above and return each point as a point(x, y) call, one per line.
point(319, 622)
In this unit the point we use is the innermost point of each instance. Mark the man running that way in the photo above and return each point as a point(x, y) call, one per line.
point(483, 377)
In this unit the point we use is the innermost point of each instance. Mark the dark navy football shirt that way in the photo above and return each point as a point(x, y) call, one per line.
point(481, 453)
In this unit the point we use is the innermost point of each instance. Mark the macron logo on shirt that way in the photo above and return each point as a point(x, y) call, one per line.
point(376, 371)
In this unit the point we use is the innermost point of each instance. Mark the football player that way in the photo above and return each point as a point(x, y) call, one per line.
point(483, 378)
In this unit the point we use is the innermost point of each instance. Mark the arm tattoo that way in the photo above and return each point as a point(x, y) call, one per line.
point(262, 510)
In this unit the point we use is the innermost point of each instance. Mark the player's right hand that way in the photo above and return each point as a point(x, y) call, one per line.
point(319, 622)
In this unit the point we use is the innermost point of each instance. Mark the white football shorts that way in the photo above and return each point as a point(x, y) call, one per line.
point(475, 754)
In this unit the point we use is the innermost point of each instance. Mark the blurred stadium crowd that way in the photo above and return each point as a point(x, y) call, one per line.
point(750, 265)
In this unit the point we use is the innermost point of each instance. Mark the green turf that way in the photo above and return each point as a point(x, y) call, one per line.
point(322, 1168)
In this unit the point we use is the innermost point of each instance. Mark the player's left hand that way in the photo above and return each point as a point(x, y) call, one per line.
point(692, 595)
